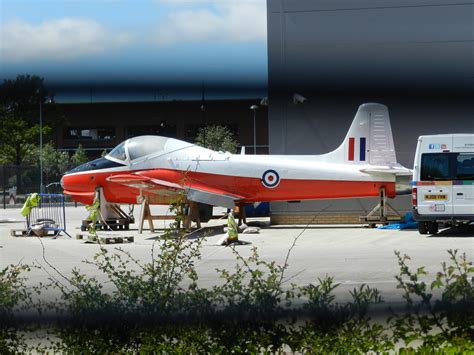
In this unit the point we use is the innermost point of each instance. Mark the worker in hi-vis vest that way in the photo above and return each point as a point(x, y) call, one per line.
point(232, 231)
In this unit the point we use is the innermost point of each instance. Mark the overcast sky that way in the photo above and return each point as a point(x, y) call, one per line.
point(135, 41)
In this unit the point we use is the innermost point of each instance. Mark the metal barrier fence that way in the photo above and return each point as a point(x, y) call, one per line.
point(49, 216)
point(18, 181)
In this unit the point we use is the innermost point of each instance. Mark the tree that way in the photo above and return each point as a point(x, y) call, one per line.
point(18, 140)
point(55, 163)
point(79, 157)
point(217, 137)
point(19, 114)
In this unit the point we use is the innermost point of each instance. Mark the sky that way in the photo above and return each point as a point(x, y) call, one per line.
point(162, 46)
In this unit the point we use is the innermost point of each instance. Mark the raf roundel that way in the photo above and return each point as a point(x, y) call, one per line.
point(270, 179)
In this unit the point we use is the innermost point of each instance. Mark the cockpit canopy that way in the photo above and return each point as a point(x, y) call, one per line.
point(138, 147)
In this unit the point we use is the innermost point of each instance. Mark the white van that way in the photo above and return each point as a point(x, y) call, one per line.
point(443, 181)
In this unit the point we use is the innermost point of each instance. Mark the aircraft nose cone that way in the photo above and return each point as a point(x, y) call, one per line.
point(71, 183)
point(65, 183)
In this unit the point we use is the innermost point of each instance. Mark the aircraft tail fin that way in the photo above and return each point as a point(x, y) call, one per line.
point(369, 139)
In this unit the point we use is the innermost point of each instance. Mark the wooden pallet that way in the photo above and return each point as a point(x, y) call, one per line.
point(374, 220)
point(19, 232)
point(114, 224)
point(383, 213)
point(105, 239)
point(31, 233)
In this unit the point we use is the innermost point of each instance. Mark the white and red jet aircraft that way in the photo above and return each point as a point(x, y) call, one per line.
point(159, 167)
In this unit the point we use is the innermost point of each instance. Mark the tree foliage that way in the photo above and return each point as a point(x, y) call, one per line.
point(20, 115)
point(218, 138)
point(55, 163)
point(18, 140)
point(79, 157)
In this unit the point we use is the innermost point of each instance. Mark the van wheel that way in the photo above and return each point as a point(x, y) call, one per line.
point(422, 228)
point(433, 227)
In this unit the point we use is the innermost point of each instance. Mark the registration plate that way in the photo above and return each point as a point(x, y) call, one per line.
point(436, 197)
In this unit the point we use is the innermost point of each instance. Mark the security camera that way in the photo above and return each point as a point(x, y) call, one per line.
point(298, 99)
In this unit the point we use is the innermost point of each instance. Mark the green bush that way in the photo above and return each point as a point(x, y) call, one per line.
point(157, 306)
point(14, 295)
point(217, 138)
point(446, 323)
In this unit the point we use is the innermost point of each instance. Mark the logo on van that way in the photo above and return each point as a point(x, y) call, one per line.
point(437, 146)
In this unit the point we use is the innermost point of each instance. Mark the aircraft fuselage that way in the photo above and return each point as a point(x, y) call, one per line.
point(254, 177)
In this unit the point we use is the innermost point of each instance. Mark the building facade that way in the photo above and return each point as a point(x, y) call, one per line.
point(99, 126)
point(326, 57)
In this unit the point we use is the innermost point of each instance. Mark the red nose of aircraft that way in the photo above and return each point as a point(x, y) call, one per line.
point(80, 183)
point(80, 187)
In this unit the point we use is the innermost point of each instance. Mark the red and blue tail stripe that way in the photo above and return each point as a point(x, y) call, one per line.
point(362, 148)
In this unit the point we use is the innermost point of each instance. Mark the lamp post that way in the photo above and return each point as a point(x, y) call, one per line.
point(41, 140)
point(50, 100)
point(254, 108)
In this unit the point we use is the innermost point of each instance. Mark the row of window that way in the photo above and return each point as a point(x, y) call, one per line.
point(108, 133)
point(163, 129)
point(103, 133)
point(447, 166)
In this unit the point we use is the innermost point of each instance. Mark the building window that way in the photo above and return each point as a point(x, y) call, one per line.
point(163, 129)
point(103, 133)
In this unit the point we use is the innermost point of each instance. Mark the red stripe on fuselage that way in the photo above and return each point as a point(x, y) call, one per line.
point(251, 189)
point(293, 189)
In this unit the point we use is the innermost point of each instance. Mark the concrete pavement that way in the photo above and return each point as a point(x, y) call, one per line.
point(351, 254)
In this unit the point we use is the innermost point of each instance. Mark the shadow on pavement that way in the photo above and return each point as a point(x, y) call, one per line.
point(456, 231)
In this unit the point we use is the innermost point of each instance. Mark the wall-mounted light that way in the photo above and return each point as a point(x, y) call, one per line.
point(298, 99)
point(254, 108)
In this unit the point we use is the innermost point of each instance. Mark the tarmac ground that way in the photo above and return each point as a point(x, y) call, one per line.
point(352, 254)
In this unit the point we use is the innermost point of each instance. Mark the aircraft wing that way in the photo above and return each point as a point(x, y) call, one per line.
point(388, 171)
point(196, 192)
point(132, 180)
point(212, 196)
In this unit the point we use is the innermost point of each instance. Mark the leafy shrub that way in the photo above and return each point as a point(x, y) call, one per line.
point(217, 138)
point(446, 323)
point(13, 296)
point(158, 306)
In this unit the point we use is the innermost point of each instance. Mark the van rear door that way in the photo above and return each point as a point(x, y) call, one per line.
point(463, 184)
point(435, 187)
